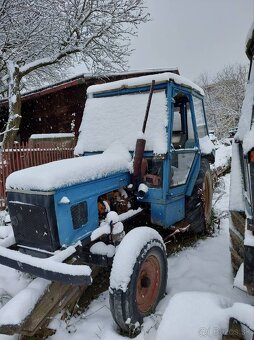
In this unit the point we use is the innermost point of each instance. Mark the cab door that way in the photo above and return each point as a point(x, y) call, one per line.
point(184, 155)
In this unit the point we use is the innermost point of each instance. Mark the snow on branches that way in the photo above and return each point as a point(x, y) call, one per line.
point(224, 97)
point(36, 35)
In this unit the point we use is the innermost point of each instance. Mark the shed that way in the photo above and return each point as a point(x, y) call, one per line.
point(58, 108)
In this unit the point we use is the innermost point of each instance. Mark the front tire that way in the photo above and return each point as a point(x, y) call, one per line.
point(136, 294)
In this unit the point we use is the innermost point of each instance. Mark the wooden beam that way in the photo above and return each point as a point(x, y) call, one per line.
point(58, 297)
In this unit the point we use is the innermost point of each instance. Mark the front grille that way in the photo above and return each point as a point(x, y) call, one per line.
point(34, 225)
point(79, 215)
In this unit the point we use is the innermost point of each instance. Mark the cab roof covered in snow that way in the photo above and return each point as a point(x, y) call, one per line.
point(144, 81)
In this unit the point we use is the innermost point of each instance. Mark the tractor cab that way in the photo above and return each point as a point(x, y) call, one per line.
point(176, 136)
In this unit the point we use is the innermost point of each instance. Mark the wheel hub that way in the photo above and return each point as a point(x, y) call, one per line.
point(145, 282)
point(148, 284)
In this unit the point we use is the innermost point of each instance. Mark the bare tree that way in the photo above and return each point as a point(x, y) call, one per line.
point(43, 33)
point(210, 103)
point(224, 97)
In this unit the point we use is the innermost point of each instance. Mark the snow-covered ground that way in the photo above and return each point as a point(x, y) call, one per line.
point(200, 295)
point(222, 156)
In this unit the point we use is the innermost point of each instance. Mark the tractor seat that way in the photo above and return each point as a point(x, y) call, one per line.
point(178, 139)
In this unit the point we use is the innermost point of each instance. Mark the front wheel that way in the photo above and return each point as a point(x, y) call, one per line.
point(138, 278)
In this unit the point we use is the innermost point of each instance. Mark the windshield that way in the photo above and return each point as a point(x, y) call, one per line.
point(120, 118)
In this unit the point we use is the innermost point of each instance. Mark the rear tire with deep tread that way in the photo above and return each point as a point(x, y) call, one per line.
point(146, 286)
point(198, 207)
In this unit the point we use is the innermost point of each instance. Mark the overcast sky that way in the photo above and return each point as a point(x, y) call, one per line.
point(194, 35)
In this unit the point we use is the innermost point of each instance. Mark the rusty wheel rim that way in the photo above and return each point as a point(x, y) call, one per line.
point(148, 284)
point(207, 197)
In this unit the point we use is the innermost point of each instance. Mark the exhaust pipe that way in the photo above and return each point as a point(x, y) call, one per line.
point(141, 143)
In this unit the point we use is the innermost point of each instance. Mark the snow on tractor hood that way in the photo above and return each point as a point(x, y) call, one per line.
point(67, 172)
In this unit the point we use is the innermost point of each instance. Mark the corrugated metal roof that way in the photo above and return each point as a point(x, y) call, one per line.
point(84, 78)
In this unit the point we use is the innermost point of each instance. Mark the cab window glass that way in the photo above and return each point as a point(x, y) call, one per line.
point(183, 133)
point(183, 141)
point(200, 118)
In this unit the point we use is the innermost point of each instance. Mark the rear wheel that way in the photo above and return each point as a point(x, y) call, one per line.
point(198, 207)
point(136, 294)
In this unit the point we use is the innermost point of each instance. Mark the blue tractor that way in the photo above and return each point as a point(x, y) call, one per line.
point(143, 175)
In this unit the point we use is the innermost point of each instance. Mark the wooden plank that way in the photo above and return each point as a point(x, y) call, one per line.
point(237, 242)
point(234, 331)
point(54, 294)
point(236, 260)
point(57, 297)
point(238, 220)
point(43, 334)
point(10, 329)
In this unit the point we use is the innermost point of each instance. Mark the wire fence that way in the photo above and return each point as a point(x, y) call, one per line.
point(25, 155)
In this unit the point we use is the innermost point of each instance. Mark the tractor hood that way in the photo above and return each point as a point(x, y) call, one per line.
point(67, 172)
